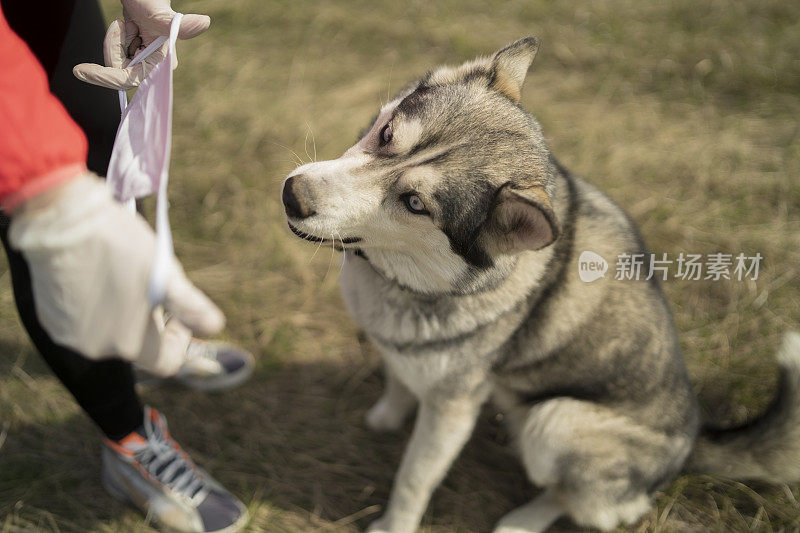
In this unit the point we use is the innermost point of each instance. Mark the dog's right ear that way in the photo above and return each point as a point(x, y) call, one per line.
point(521, 219)
point(510, 65)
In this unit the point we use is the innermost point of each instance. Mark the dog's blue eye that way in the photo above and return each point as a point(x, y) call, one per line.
point(415, 204)
point(385, 136)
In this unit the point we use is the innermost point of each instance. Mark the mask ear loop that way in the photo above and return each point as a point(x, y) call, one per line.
point(164, 260)
point(138, 58)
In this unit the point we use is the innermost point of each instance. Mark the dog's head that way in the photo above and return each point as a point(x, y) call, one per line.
point(451, 181)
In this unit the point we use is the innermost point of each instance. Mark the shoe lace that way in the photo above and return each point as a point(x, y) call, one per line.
point(166, 462)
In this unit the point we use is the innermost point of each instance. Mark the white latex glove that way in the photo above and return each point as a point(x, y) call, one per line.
point(90, 262)
point(144, 20)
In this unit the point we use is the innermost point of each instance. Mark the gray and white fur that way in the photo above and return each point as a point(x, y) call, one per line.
point(461, 235)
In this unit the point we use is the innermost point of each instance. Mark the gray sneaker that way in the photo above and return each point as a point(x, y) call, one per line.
point(209, 366)
point(150, 470)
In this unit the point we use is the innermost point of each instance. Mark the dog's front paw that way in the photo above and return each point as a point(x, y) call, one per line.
point(385, 417)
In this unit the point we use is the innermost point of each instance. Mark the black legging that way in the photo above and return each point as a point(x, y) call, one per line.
point(71, 33)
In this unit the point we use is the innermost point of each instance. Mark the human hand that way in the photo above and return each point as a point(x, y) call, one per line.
point(144, 21)
point(90, 262)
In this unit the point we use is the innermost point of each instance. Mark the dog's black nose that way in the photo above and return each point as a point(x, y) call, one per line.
point(296, 206)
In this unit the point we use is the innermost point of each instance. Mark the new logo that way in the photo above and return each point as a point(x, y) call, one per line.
point(591, 266)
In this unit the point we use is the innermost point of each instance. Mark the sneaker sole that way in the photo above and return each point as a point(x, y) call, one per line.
point(122, 497)
point(221, 383)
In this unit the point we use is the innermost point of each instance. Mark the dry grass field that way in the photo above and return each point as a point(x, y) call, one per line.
point(685, 112)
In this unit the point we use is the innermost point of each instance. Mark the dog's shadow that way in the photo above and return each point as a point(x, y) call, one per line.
point(293, 438)
point(291, 443)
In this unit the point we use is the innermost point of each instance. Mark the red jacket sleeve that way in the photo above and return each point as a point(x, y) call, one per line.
point(40, 145)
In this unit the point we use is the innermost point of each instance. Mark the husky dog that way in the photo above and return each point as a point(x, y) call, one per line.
point(461, 235)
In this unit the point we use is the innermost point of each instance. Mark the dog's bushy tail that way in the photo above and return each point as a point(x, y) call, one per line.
point(768, 448)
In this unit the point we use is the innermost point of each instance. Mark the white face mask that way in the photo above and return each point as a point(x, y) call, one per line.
point(140, 159)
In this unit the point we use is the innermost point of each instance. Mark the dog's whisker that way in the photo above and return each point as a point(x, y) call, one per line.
point(313, 141)
point(319, 245)
point(292, 161)
point(314, 144)
point(333, 252)
point(305, 145)
point(299, 160)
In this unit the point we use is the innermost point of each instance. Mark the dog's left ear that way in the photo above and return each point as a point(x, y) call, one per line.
point(522, 219)
point(510, 65)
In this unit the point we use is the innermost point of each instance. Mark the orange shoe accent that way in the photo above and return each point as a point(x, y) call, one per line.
point(121, 445)
point(155, 416)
